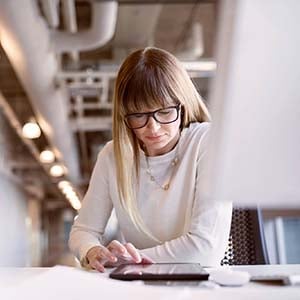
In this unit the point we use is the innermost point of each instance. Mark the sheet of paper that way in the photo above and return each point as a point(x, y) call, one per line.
point(70, 283)
point(62, 283)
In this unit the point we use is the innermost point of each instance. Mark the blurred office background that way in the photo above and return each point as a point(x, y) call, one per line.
point(58, 63)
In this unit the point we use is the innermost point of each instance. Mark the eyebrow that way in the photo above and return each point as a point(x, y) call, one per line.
point(134, 105)
point(152, 111)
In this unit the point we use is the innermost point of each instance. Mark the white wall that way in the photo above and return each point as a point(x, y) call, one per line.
point(14, 241)
point(14, 234)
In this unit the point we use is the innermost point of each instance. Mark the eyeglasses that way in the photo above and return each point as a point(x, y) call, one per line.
point(163, 116)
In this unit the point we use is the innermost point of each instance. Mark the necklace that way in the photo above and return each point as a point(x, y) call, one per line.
point(165, 186)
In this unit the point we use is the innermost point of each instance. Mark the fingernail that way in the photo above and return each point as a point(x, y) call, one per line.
point(102, 270)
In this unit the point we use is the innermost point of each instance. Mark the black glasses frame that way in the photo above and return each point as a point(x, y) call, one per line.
point(152, 114)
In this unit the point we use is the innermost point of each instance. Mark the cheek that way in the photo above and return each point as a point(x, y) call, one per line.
point(138, 133)
point(175, 127)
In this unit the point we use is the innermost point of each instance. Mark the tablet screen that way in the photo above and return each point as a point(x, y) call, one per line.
point(165, 271)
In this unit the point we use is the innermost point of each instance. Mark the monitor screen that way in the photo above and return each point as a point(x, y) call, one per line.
point(254, 154)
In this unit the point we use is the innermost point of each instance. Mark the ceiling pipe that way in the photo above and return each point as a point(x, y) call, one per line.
point(25, 38)
point(70, 22)
point(50, 10)
point(104, 19)
point(69, 15)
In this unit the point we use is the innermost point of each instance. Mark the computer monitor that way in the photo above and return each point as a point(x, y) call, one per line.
point(254, 154)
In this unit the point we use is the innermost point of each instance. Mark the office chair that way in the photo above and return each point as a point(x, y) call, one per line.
point(247, 244)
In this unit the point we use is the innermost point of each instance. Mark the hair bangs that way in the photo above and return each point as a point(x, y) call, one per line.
point(147, 90)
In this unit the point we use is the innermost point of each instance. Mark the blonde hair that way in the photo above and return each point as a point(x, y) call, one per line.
point(148, 78)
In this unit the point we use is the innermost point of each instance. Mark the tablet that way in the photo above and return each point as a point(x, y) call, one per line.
point(163, 271)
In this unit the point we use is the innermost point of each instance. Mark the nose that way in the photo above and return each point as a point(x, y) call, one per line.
point(152, 124)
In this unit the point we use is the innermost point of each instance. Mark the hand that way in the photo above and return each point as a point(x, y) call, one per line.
point(115, 254)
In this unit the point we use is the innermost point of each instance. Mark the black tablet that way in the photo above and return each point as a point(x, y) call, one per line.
point(164, 271)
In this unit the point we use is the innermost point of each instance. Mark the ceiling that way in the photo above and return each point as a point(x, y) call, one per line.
point(69, 90)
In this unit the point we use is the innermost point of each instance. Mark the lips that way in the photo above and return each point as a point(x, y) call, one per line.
point(154, 137)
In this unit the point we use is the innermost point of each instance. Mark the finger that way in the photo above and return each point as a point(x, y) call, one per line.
point(93, 252)
point(133, 252)
point(146, 260)
point(106, 255)
point(95, 264)
point(117, 248)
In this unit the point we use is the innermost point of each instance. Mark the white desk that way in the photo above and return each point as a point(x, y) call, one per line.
point(68, 283)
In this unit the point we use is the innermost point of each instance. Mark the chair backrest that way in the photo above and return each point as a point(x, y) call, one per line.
point(247, 240)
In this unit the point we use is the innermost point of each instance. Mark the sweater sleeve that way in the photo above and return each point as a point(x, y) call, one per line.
point(88, 228)
point(207, 236)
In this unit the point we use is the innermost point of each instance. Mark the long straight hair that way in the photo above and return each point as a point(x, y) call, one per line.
point(148, 78)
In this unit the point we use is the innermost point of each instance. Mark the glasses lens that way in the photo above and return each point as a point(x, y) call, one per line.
point(166, 115)
point(163, 116)
point(136, 120)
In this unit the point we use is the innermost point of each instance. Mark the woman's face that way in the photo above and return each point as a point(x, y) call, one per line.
point(158, 138)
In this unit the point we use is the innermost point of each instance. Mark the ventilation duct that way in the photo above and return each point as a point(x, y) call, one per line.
point(104, 18)
point(26, 40)
point(29, 46)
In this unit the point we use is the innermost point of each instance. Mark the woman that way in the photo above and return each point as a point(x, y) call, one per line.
point(150, 173)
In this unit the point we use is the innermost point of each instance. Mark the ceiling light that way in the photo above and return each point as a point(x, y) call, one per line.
point(67, 189)
point(31, 130)
point(47, 156)
point(57, 170)
point(74, 201)
point(62, 184)
point(76, 204)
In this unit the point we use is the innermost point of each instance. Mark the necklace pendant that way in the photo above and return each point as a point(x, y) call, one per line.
point(166, 186)
point(174, 161)
point(152, 178)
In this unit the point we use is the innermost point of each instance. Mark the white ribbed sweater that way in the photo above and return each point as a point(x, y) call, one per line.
point(191, 228)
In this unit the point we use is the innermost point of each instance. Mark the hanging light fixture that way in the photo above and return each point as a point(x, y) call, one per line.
point(64, 183)
point(57, 170)
point(67, 189)
point(75, 202)
point(47, 156)
point(31, 130)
